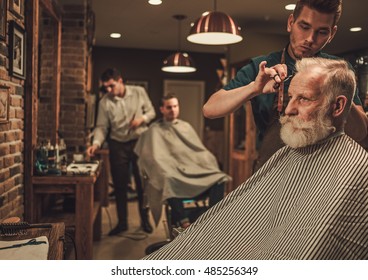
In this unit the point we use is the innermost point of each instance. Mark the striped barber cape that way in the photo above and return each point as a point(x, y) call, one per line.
point(306, 203)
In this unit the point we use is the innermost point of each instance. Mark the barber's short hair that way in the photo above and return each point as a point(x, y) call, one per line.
point(322, 6)
point(168, 96)
point(339, 77)
point(110, 73)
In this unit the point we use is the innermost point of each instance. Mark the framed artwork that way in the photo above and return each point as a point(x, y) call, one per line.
point(17, 8)
point(3, 19)
point(4, 106)
point(191, 94)
point(17, 51)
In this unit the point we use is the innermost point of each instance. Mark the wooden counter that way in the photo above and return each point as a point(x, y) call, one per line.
point(103, 154)
point(87, 217)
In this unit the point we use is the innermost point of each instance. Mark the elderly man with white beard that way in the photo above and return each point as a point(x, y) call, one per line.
point(309, 200)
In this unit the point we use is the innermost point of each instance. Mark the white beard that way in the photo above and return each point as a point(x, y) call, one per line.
point(297, 133)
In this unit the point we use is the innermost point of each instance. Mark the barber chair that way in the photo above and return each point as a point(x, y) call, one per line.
point(193, 208)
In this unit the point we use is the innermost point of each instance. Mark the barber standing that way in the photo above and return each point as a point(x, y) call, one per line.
point(311, 26)
point(124, 112)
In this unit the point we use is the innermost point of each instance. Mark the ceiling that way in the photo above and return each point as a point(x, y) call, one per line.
point(263, 24)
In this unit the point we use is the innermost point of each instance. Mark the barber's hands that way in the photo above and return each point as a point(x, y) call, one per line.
point(91, 150)
point(268, 79)
point(135, 123)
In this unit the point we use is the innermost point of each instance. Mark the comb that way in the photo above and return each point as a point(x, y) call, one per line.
point(20, 228)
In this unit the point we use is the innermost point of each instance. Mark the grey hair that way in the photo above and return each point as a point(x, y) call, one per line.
point(339, 78)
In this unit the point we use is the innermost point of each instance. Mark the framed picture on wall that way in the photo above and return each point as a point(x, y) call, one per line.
point(4, 106)
point(17, 8)
point(17, 51)
point(3, 19)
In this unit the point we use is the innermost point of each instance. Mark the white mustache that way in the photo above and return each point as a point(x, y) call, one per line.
point(295, 122)
point(298, 133)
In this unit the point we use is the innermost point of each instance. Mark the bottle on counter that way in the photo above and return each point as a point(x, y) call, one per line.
point(42, 164)
point(62, 151)
point(57, 156)
point(51, 156)
point(63, 166)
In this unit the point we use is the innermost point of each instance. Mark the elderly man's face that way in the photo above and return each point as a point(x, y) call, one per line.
point(307, 117)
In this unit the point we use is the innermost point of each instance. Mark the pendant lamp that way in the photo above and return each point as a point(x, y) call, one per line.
point(215, 28)
point(179, 62)
point(155, 2)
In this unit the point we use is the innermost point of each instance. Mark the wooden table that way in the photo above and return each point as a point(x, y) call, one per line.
point(55, 236)
point(87, 217)
point(103, 154)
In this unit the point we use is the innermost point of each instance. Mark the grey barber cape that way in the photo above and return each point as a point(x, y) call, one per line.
point(305, 203)
point(175, 163)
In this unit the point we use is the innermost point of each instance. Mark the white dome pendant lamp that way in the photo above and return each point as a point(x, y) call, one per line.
point(215, 28)
point(179, 62)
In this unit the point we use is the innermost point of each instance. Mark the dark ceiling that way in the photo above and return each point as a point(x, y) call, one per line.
point(145, 26)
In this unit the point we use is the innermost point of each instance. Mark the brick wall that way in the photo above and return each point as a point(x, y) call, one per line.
point(11, 133)
point(46, 93)
point(73, 95)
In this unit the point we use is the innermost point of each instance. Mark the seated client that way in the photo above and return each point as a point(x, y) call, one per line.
point(309, 200)
point(176, 165)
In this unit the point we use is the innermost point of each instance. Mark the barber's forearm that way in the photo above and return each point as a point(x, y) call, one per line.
point(99, 135)
point(357, 124)
point(224, 102)
point(149, 115)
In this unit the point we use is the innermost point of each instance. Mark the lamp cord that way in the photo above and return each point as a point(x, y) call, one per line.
point(179, 18)
point(179, 26)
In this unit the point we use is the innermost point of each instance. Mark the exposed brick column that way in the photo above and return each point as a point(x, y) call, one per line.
point(74, 53)
point(46, 93)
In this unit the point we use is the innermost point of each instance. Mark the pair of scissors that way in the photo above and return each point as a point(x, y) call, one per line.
point(32, 241)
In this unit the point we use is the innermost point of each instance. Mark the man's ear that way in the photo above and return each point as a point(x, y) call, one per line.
point(339, 105)
point(290, 22)
point(333, 32)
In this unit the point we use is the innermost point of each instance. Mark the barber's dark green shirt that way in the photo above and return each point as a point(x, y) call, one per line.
point(263, 104)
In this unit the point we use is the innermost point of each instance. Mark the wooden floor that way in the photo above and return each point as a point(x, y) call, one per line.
point(129, 245)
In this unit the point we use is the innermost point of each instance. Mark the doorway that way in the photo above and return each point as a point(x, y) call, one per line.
point(191, 96)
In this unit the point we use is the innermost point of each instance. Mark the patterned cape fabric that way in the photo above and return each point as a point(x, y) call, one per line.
point(175, 163)
point(306, 203)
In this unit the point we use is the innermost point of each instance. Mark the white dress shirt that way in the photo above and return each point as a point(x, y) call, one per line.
point(116, 113)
